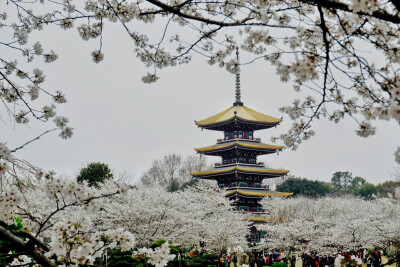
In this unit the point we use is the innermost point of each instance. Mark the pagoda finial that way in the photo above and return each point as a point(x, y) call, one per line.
point(238, 101)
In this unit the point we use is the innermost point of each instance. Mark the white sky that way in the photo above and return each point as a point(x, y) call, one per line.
point(123, 122)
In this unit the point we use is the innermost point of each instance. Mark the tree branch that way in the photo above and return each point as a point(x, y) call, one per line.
point(25, 247)
point(30, 141)
point(332, 4)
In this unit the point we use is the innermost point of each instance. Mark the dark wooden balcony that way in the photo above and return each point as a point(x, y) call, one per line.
point(223, 140)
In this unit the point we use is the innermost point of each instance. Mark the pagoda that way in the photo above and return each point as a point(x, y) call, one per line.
point(239, 172)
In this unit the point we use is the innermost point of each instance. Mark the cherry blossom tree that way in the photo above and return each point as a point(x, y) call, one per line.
point(313, 44)
point(198, 217)
point(331, 224)
point(53, 208)
point(52, 221)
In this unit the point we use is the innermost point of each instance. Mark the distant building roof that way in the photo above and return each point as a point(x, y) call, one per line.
point(241, 113)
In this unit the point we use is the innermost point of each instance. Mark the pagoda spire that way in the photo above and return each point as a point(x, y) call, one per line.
point(238, 101)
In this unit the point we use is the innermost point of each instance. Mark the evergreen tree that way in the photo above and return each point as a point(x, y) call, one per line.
point(299, 186)
point(94, 174)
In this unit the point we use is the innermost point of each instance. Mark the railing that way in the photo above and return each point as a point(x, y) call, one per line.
point(241, 163)
point(257, 139)
point(251, 213)
point(248, 187)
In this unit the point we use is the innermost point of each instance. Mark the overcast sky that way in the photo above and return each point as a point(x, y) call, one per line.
point(123, 122)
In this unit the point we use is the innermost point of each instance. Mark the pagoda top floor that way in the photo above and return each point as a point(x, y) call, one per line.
point(238, 117)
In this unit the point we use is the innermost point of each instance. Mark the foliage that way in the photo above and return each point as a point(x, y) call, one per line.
point(95, 173)
point(190, 183)
point(119, 258)
point(345, 183)
point(305, 187)
point(279, 264)
point(350, 262)
point(387, 187)
point(5, 246)
point(368, 191)
point(204, 260)
point(158, 243)
point(341, 181)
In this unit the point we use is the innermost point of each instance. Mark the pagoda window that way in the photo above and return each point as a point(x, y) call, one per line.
point(235, 134)
point(250, 135)
point(235, 160)
point(243, 208)
point(225, 161)
point(221, 185)
point(243, 184)
point(226, 135)
point(241, 159)
point(253, 161)
point(240, 134)
point(234, 184)
point(259, 209)
point(258, 185)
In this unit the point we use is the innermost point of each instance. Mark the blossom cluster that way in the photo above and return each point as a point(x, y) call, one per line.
point(367, 6)
point(73, 242)
point(10, 198)
point(22, 260)
point(159, 256)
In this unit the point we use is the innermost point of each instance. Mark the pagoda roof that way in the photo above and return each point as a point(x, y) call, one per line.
point(262, 218)
point(240, 143)
point(241, 113)
point(256, 192)
point(242, 168)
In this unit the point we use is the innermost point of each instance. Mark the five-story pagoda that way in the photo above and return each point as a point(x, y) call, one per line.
point(239, 172)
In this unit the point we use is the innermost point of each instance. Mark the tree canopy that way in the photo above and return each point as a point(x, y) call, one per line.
point(305, 187)
point(95, 173)
point(342, 183)
point(173, 171)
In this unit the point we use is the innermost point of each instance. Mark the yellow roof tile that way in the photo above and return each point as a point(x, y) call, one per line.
point(242, 112)
point(244, 168)
point(259, 194)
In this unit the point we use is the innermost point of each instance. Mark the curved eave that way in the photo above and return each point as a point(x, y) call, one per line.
point(216, 171)
point(262, 219)
point(261, 147)
point(259, 194)
point(236, 114)
point(235, 120)
point(256, 219)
